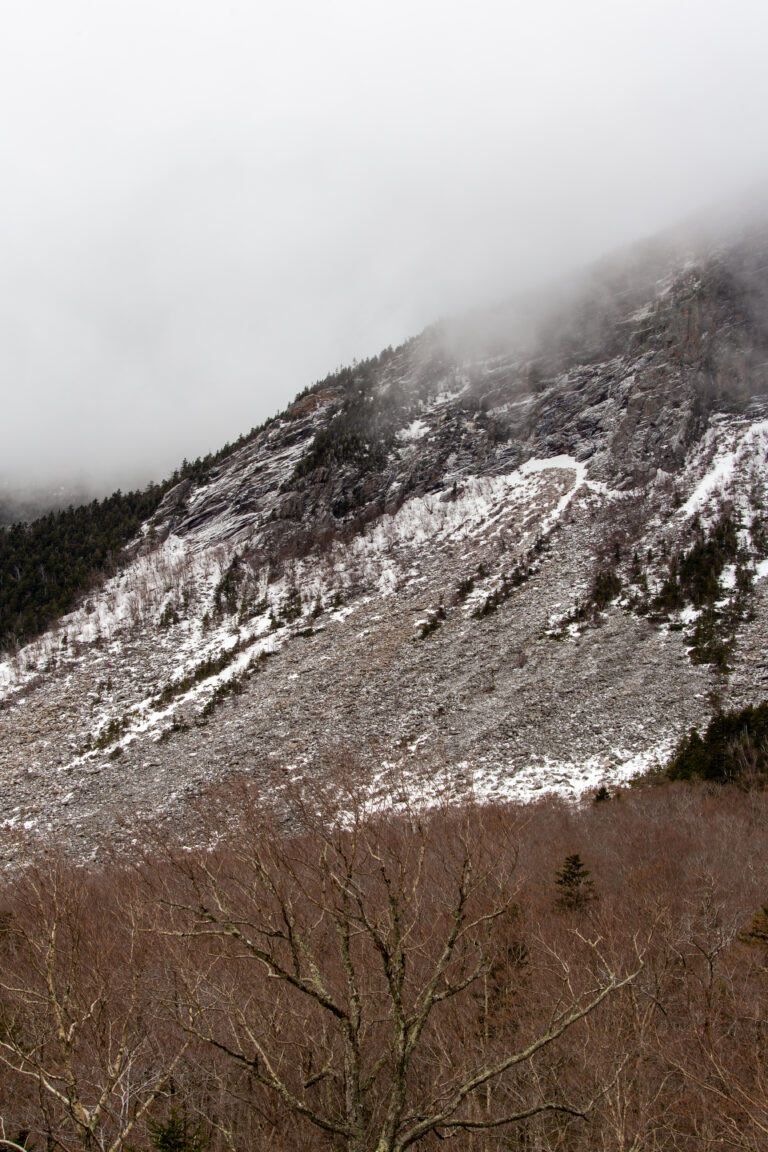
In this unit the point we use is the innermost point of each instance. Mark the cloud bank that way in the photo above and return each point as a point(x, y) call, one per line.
point(204, 208)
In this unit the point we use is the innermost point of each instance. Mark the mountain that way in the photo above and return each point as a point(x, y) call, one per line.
point(522, 552)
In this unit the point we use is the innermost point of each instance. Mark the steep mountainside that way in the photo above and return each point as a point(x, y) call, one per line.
point(521, 557)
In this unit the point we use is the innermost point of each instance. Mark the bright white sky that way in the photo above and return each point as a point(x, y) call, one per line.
point(206, 206)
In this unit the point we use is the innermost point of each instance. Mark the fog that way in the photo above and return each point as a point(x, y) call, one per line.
point(206, 207)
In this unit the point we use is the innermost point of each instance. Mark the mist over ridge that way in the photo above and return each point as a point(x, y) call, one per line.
point(203, 216)
point(172, 431)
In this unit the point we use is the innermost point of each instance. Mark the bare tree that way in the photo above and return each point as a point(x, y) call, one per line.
point(348, 970)
point(81, 1021)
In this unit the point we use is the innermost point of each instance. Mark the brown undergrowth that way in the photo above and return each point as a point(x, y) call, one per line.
point(365, 982)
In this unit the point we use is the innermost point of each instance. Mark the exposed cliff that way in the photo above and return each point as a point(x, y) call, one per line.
point(512, 561)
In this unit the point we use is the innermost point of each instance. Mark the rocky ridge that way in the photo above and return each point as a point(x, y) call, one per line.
point(522, 566)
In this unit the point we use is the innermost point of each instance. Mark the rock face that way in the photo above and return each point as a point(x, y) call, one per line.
point(509, 562)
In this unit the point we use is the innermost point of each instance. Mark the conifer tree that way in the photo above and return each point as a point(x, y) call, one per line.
point(178, 1133)
point(576, 890)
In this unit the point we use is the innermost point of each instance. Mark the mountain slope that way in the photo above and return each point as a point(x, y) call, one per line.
point(510, 561)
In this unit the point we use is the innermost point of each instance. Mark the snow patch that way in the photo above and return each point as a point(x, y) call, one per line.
point(715, 480)
point(415, 430)
point(737, 449)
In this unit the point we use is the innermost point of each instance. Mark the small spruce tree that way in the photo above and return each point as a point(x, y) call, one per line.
point(576, 890)
point(178, 1133)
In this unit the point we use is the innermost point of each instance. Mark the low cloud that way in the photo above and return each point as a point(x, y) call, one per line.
point(208, 210)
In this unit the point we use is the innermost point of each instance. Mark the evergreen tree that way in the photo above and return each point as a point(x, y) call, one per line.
point(178, 1133)
point(576, 890)
point(734, 748)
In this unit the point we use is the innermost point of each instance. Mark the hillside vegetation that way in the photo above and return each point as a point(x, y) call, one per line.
point(550, 978)
point(734, 748)
point(47, 564)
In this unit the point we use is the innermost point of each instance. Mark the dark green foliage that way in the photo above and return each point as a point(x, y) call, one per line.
point(108, 735)
point(232, 687)
point(175, 726)
point(354, 375)
point(362, 432)
point(206, 668)
point(112, 732)
point(694, 575)
point(694, 579)
point(46, 564)
point(178, 1133)
point(356, 435)
point(710, 642)
point(759, 533)
point(465, 587)
point(757, 933)
point(235, 686)
point(290, 609)
point(226, 591)
point(435, 620)
point(606, 586)
point(518, 576)
point(168, 616)
point(576, 890)
point(602, 794)
point(733, 748)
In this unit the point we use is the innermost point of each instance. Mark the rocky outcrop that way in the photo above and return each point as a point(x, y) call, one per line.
point(458, 562)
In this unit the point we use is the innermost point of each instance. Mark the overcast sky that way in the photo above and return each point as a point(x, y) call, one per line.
point(206, 206)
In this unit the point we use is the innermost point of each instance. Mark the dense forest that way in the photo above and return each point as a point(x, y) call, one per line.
point(48, 563)
point(586, 978)
point(734, 748)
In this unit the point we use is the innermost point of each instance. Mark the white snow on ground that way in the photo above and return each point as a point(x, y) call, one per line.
point(523, 402)
point(735, 448)
point(761, 570)
point(572, 780)
point(448, 395)
point(133, 597)
point(568, 462)
point(715, 480)
point(523, 501)
point(527, 502)
point(414, 431)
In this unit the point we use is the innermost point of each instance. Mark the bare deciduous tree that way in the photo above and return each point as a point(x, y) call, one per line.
point(77, 1021)
point(346, 970)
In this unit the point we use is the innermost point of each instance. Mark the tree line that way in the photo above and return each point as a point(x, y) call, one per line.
point(46, 564)
point(49, 563)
